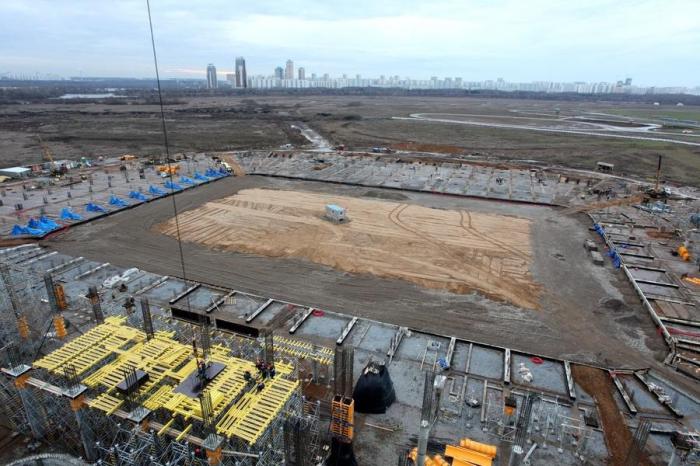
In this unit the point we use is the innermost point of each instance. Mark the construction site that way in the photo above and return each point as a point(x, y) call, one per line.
point(347, 308)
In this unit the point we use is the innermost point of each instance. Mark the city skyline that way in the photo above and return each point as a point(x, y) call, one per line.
point(653, 41)
point(286, 78)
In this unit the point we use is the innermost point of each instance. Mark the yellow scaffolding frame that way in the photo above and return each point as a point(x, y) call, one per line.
point(244, 408)
point(303, 349)
point(91, 348)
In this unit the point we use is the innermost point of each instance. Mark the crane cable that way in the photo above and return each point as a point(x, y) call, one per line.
point(167, 146)
point(167, 161)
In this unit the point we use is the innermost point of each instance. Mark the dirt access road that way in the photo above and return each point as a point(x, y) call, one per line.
point(576, 320)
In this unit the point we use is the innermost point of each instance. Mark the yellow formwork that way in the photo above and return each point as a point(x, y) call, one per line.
point(249, 418)
point(167, 363)
point(91, 348)
point(159, 398)
point(106, 403)
point(303, 349)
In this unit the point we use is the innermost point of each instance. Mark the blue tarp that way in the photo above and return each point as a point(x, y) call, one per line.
point(200, 177)
point(186, 180)
point(115, 201)
point(615, 258)
point(92, 207)
point(67, 214)
point(138, 196)
point(34, 223)
point(174, 186)
point(19, 230)
point(211, 173)
point(48, 224)
point(598, 229)
point(155, 191)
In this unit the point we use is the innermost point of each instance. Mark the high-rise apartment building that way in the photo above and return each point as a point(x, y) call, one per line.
point(241, 76)
point(279, 73)
point(211, 77)
point(289, 70)
point(302, 73)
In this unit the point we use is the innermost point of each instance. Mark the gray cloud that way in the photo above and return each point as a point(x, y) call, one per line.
point(654, 41)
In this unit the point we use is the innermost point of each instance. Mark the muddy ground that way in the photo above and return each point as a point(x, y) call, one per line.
point(587, 314)
point(359, 122)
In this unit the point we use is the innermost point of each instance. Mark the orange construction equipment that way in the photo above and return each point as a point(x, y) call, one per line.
point(23, 327)
point(470, 453)
point(168, 169)
point(60, 326)
point(215, 456)
point(693, 280)
point(684, 253)
point(343, 417)
point(436, 460)
point(509, 405)
point(60, 297)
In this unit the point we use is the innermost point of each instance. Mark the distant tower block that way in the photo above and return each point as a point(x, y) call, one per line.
point(335, 213)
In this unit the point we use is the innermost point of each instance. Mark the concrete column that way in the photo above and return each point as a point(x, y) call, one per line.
point(423, 435)
point(35, 415)
point(86, 435)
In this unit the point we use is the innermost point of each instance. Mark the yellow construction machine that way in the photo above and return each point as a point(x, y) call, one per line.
point(168, 170)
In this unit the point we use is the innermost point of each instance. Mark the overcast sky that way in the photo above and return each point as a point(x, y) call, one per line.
point(656, 42)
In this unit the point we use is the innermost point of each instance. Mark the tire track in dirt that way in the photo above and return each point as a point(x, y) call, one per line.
point(512, 287)
point(473, 230)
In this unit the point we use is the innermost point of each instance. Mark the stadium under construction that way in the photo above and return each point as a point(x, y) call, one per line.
point(124, 365)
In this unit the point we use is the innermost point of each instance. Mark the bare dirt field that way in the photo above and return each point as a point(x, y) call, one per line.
point(454, 250)
point(221, 123)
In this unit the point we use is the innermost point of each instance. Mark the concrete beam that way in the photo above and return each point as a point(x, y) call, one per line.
point(569, 380)
point(395, 342)
point(38, 258)
point(450, 351)
point(15, 248)
point(641, 267)
point(66, 265)
point(690, 323)
point(664, 403)
point(91, 271)
point(640, 256)
point(219, 301)
point(259, 310)
point(483, 401)
point(671, 300)
point(469, 358)
point(652, 282)
point(506, 366)
point(301, 320)
point(625, 397)
point(184, 293)
point(149, 287)
point(650, 309)
point(24, 255)
point(346, 331)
